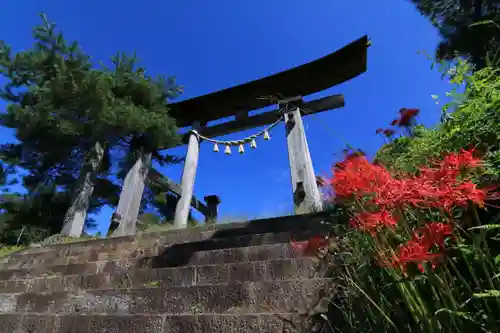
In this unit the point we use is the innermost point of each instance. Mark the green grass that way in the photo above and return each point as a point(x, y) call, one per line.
point(8, 250)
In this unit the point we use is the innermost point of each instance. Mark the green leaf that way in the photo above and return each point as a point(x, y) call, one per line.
point(487, 294)
point(485, 22)
point(461, 314)
point(485, 227)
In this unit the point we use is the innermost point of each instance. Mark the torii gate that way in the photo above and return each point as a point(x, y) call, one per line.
point(287, 90)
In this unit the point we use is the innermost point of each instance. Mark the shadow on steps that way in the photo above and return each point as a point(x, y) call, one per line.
point(263, 232)
point(253, 233)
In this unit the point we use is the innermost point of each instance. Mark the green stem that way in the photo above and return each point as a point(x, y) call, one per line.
point(374, 305)
point(483, 246)
point(448, 295)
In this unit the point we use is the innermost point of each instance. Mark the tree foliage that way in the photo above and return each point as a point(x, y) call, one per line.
point(60, 104)
point(472, 118)
point(457, 21)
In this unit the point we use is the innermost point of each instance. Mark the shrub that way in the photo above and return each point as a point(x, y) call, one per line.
point(472, 118)
point(414, 262)
point(416, 254)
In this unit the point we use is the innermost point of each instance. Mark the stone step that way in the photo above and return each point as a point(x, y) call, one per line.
point(294, 225)
point(203, 253)
point(162, 255)
point(171, 258)
point(220, 323)
point(281, 269)
point(247, 297)
point(209, 253)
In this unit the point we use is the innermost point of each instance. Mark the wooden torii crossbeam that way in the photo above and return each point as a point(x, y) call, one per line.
point(285, 89)
point(208, 209)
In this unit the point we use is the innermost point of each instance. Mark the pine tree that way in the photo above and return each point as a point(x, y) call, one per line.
point(62, 108)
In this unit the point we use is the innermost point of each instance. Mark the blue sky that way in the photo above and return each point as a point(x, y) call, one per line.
point(211, 45)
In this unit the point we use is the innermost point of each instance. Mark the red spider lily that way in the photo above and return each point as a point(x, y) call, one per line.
point(442, 186)
point(314, 244)
point(379, 130)
point(462, 160)
point(356, 176)
point(468, 192)
point(395, 122)
point(407, 116)
point(420, 193)
point(433, 233)
point(298, 246)
point(436, 187)
point(389, 132)
point(373, 222)
point(413, 252)
point(310, 247)
point(453, 164)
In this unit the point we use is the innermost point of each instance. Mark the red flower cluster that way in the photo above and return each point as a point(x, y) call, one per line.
point(406, 120)
point(420, 248)
point(436, 187)
point(356, 176)
point(388, 132)
point(433, 233)
point(373, 222)
point(311, 247)
point(442, 186)
point(406, 117)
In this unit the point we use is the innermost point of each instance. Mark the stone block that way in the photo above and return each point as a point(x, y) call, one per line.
point(239, 277)
point(248, 297)
point(9, 322)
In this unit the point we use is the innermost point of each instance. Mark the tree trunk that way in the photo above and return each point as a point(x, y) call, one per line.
point(75, 217)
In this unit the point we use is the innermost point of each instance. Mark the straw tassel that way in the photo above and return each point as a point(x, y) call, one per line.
point(253, 144)
point(216, 147)
point(266, 135)
point(241, 149)
point(227, 151)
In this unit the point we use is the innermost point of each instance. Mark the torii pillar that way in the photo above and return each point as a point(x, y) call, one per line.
point(188, 178)
point(306, 195)
point(125, 217)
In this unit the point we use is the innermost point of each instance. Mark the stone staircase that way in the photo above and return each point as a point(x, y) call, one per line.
point(239, 277)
